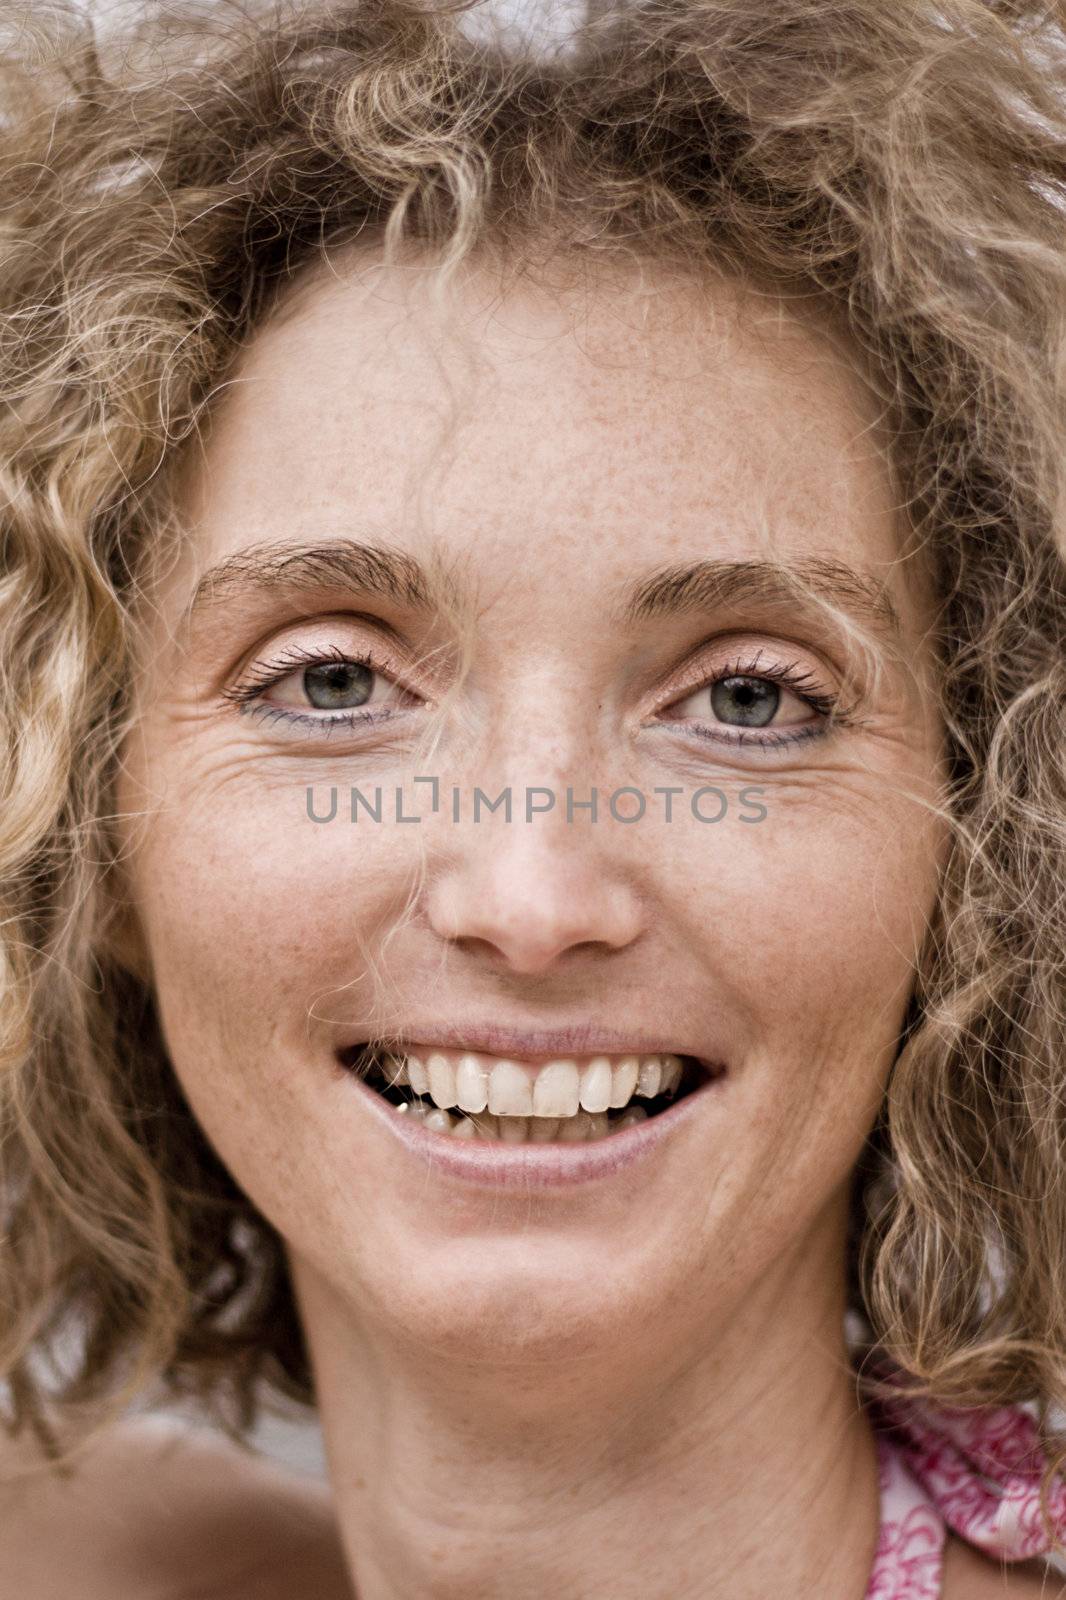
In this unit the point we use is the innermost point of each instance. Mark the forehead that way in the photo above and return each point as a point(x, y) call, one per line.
point(589, 418)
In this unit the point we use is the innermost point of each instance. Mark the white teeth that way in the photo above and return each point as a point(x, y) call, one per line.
point(505, 1100)
point(595, 1088)
point(471, 1084)
point(510, 1090)
point(649, 1078)
point(556, 1091)
point(441, 1081)
point(624, 1081)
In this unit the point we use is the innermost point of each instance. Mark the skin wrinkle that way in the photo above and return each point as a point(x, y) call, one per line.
point(498, 1341)
point(914, 219)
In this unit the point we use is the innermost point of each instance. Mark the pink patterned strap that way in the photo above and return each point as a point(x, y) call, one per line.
point(909, 1561)
point(980, 1468)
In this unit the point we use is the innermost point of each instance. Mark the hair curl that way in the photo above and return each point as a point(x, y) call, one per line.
point(903, 165)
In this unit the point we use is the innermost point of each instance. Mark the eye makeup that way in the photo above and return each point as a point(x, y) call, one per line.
point(746, 673)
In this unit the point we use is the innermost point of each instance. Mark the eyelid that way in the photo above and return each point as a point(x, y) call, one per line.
point(268, 672)
point(823, 701)
point(738, 659)
point(810, 700)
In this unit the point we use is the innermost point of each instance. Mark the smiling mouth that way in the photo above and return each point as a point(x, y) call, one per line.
point(466, 1094)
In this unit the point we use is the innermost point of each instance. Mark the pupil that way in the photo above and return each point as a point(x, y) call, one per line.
point(338, 684)
point(751, 702)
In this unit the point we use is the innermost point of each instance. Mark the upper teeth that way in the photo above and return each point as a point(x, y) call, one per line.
point(554, 1089)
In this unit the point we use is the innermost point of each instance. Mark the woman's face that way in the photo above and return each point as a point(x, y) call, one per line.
point(547, 458)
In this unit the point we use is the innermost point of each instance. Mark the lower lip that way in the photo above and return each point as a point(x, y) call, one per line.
point(494, 1164)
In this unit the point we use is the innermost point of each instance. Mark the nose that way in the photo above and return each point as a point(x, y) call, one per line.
point(527, 895)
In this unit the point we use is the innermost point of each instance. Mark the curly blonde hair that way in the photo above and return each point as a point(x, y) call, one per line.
point(903, 166)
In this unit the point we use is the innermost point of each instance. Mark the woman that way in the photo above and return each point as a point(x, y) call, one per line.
point(534, 800)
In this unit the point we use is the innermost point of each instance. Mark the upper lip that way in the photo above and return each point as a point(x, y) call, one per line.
point(578, 1038)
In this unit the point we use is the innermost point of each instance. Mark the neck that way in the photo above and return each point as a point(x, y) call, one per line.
point(733, 1474)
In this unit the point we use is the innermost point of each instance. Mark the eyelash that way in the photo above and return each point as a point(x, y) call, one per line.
point(803, 684)
point(266, 674)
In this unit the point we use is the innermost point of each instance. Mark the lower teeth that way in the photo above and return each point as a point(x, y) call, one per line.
point(577, 1129)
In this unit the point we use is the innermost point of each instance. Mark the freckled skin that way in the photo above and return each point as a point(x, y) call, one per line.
point(663, 1347)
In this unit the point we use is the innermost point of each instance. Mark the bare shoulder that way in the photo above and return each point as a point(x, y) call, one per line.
point(969, 1575)
point(158, 1510)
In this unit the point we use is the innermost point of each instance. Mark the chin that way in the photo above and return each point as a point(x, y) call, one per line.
point(513, 1300)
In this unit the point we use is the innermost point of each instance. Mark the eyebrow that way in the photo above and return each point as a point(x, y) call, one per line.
point(707, 585)
point(703, 585)
point(281, 565)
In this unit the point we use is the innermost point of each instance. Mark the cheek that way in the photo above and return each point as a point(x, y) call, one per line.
point(808, 928)
point(255, 919)
point(259, 923)
point(811, 919)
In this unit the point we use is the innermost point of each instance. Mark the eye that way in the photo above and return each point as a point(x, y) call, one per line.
point(750, 695)
point(321, 687)
point(331, 686)
point(742, 700)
